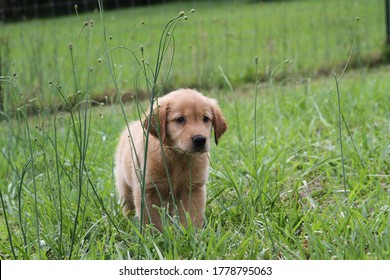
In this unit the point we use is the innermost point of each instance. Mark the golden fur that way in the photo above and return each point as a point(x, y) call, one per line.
point(177, 158)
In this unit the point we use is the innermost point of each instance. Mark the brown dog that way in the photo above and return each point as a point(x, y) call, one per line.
point(177, 158)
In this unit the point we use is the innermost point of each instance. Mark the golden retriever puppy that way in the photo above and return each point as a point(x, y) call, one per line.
point(177, 161)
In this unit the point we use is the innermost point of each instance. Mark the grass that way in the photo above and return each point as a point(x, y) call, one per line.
point(315, 36)
point(276, 186)
point(291, 207)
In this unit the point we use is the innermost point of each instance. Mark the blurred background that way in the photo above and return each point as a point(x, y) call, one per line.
point(15, 10)
point(294, 40)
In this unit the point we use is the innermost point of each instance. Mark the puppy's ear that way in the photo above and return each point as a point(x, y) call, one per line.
point(158, 122)
point(219, 123)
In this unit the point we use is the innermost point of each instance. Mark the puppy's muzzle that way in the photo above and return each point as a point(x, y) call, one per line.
point(199, 143)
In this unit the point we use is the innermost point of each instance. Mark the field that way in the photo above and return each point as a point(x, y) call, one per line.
point(302, 173)
point(304, 39)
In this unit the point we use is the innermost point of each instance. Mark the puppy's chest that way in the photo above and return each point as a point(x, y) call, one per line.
point(186, 176)
point(178, 177)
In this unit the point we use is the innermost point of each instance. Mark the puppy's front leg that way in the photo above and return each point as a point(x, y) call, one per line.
point(194, 202)
point(151, 212)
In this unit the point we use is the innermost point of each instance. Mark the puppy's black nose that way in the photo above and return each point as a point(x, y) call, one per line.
point(199, 141)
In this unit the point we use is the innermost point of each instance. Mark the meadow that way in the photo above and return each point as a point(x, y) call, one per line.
point(302, 173)
point(299, 38)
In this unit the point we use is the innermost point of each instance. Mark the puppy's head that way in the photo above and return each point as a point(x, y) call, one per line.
point(184, 120)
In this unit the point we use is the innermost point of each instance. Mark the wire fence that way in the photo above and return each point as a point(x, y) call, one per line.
point(16, 10)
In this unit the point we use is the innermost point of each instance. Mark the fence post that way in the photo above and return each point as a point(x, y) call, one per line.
point(387, 11)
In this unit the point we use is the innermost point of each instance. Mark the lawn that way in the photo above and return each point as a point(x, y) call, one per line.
point(279, 185)
point(304, 38)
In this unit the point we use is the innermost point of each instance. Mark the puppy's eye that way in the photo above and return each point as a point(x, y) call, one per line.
point(180, 120)
point(206, 119)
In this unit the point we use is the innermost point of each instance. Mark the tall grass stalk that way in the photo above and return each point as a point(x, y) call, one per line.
point(7, 225)
point(237, 114)
point(110, 64)
point(81, 136)
point(30, 162)
point(340, 116)
point(166, 38)
point(60, 187)
point(255, 118)
point(256, 160)
point(353, 142)
point(340, 135)
point(80, 127)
